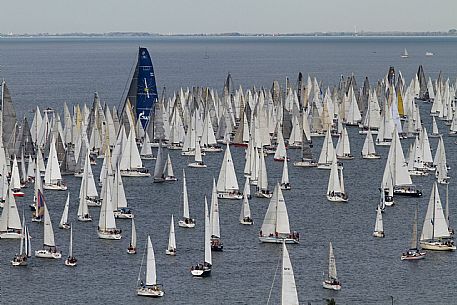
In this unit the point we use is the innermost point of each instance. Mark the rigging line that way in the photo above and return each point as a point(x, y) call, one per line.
point(142, 260)
point(274, 279)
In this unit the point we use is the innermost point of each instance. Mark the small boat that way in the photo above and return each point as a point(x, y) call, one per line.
point(10, 222)
point(71, 260)
point(204, 270)
point(171, 249)
point(343, 147)
point(118, 199)
point(186, 222)
point(335, 188)
point(289, 294)
point(24, 249)
point(198, 159)
point(83, 209)
point(429, 53)
point(216, 242)
point(405, 54)
point(130, 163)
point(64, 219)
point(88, 189)
point(150, 288)
point(275, 227)
point(435, 231)
point(369, 150)
point(331, 280)
point(227, 183)
point(280, 152)
point(159, 166)
point(168, 173)
point(245, 215)
point(15, 182)
point(262, 190)
point(435, 131)
point(49, 246)
point(378, 228)
point(132, 246)
point(307, 159)
point(327, 153)
point(285, 184)
point(146, 150)
point(52, 177)
point(414, 252)
point(107, 223)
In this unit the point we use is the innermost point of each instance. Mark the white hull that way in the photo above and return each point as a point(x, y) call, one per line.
point(196, 165)
point(134, 173)
point(65, 226)
point(149, 292)
point(21, 263)
point(263, 195)
point(47, 254)
point(305, 164)
point(69, 264)
point(285, 187)
point(150, 157)
point(378, 234)
point(345, 157)
point(201, 272)
point(232, 196)
point(277, 240)
point(188, 153)
point(211, 149)
point(246, 222)
point(324, 166)
point(121, 215)
point(84, 219)
point(55, 187)
point(336, 199)
point(108, 235)
point(131, 250)
point(183, 224)
point(371, 156)
point(10, 235)
point(171, 178)
point(383, 143)
point(327, 285)
point(170, 252)
point(437, 246)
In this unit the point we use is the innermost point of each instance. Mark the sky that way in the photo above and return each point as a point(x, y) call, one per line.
point(215, 16)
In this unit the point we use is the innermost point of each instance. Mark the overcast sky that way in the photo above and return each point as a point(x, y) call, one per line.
point(216, 16)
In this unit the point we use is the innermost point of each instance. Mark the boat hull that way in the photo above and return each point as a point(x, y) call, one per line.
point(263, 195)
point(196, 165)
point(437, 246)
point(201, 272)
point(305, 163)
point(55, 187)
point(331, 286)
point(371, 156)
point(378, 234)
point(171, 252)
point(65, 226)
point(336, 199)
point(149, 292)
point(43, 253)
point(70, 263)
point(232, 196)
point(183, 224)
point(108, 235)
point(10, 235)
point(135, 173)
point(277, 240)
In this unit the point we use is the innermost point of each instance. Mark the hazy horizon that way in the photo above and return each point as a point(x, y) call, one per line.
point(207, 16)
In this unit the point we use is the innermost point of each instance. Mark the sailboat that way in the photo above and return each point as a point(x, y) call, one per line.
point(262, 190)
point(52, 176)
point(327, 153)
point(198, 159)
point(245, 215)
point(10, 222)
point(204, 270)
point(307, 159)
point(24, 249)
point(88, 190)
point(146, 150)
point(369, 150)
point(435, 132)
point(150, 288)
point(289, 294)
point(378, 228)
point(275, 227)
point(118, 199)
point(159, 176)
point(285, 184)
point(107, 223)
point(15, 182)
point(71, 260)
point(331, 280)
point(186, 222)
point(280, 152)
point(335, 188)
point(168, 170)
point(130, 163)
point(216, 242)
point(405, 54)
point(64, 219)
point(343, 147)
point(171, 249)
point(414, 252)
point(49, 246)
point(83, 208)
point(435, 233)
point(132, 246)
point(227, 184)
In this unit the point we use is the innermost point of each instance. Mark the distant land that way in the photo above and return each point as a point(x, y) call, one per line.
point(452, 32)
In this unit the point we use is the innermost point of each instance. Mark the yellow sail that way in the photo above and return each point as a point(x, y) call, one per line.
point(401, 110)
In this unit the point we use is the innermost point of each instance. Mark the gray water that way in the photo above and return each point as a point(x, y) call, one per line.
point(47, 72)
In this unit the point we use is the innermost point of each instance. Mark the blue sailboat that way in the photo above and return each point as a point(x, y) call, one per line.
point(142, 92)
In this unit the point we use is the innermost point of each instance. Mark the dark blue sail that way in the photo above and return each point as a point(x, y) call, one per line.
point(146, 87)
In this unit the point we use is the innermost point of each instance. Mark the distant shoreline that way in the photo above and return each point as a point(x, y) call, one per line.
point(450, 33)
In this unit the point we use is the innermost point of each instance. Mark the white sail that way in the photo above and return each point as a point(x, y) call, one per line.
point(368, 145)
point(48, 231)
point(133, 237)
point(285, 173)
point(168, 170)
point(227, 178)
point(118, 198)
point(379, 224)
point(331, 263)
point(276, 219)
point(64, 218)
point(10, 216)
point(245, 209)
point(151, 276)
point(343, 147)
point(171, 236)
point(15, 178)
point(289, 294)
point(70, 247)
point(281, 152)
point(334, 183)
point(130, 159)
point(106, 220)
point(435, 224)
point(214, 213)
point(52, 172)
point(208, 258)
point(262, 183)
point(328, 151)
point(146, 149)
